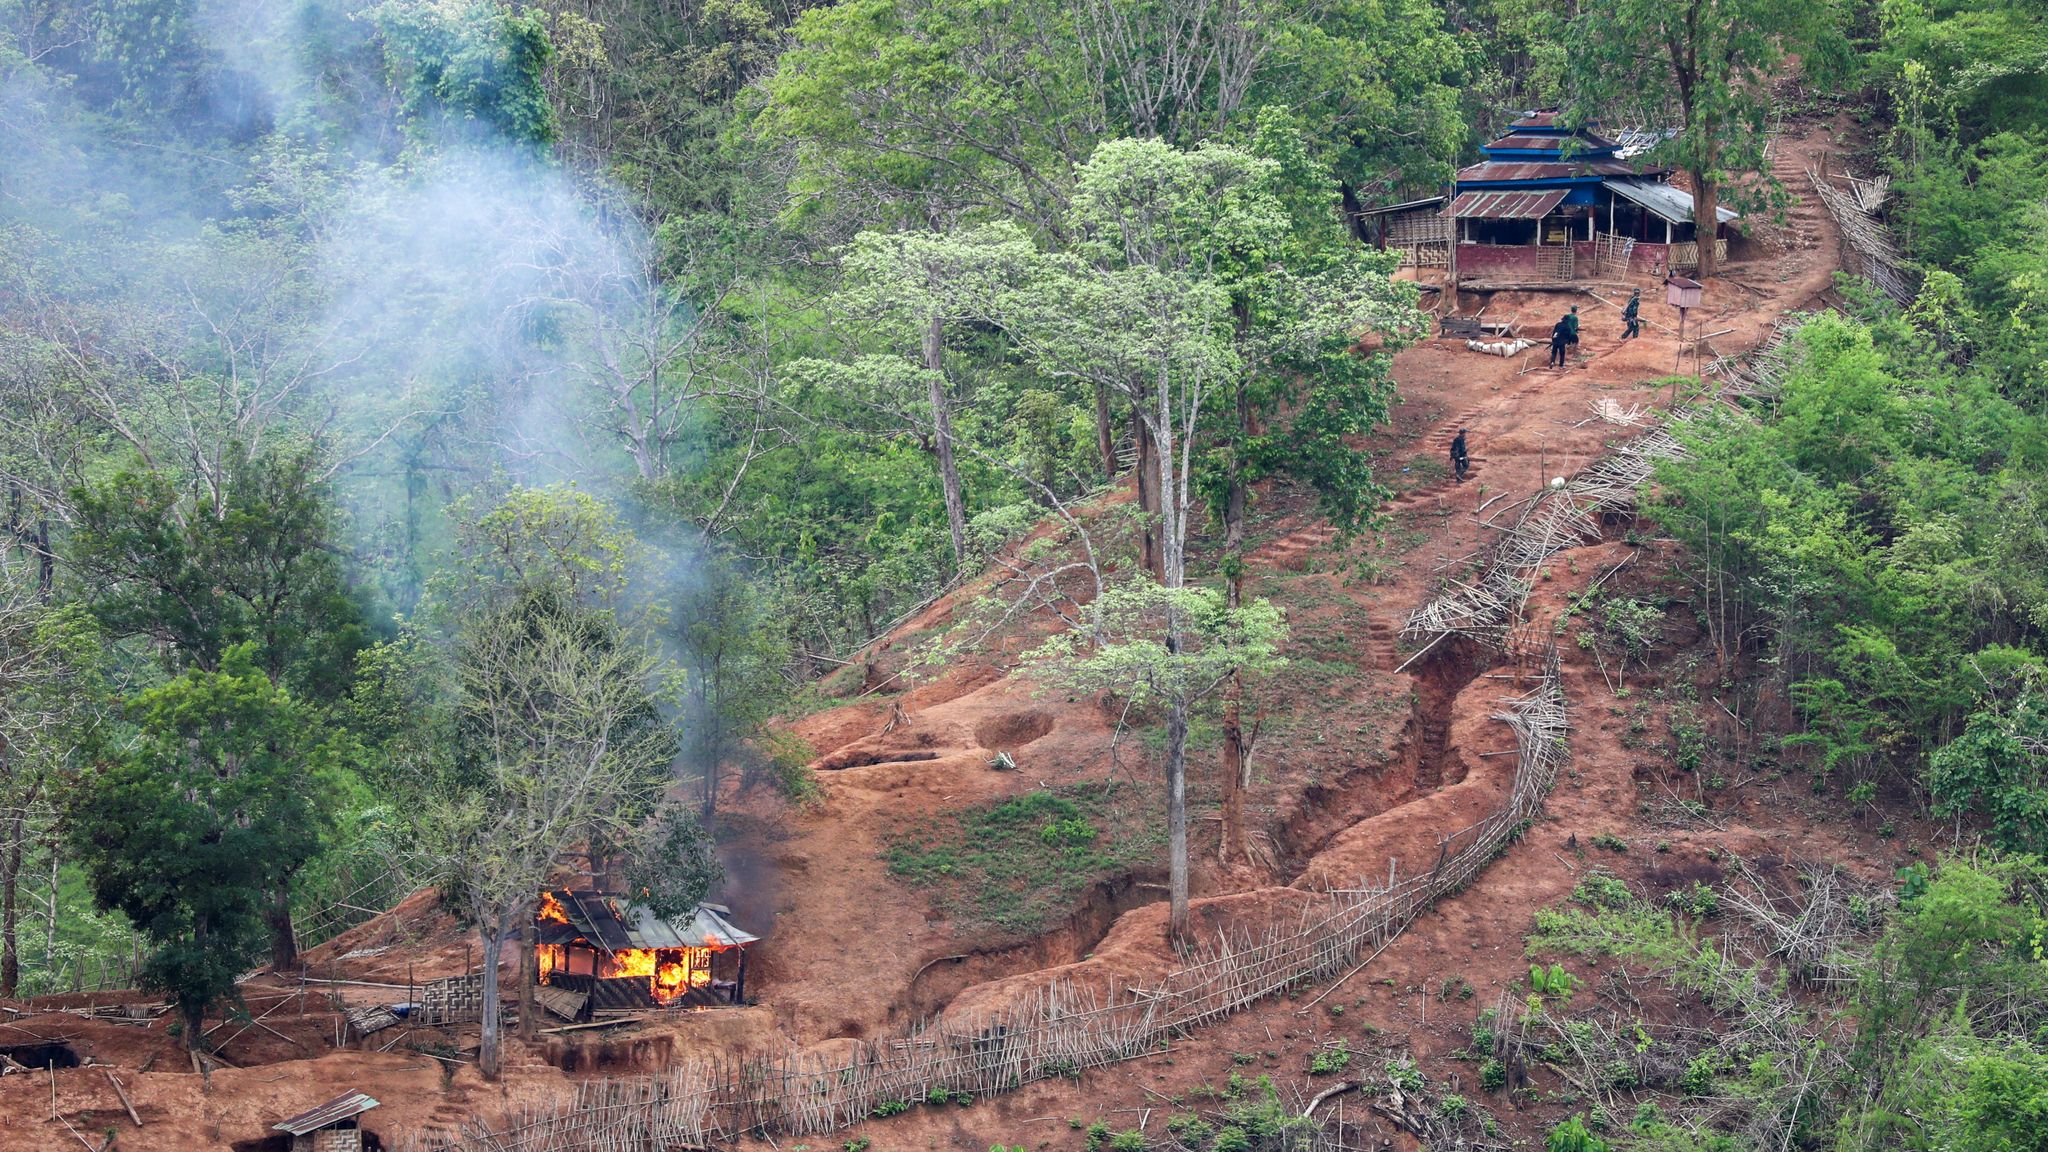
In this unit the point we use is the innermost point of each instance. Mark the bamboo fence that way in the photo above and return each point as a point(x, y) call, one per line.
point(1059, 1029)
point(1547, 523)
point(1760, 375)
point(1855, 213)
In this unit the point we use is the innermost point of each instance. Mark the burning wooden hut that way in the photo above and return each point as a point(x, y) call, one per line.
point(621, 956)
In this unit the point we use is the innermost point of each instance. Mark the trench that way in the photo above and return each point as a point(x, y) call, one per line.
point(1327, 809)
point(941, 979)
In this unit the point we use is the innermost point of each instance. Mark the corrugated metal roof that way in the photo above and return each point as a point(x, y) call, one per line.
point(1546, 170)
point(1410, 206)
point(1663, 201)
point(333, 1112)
point(1504, 205)
point(1586, 142)
point(1537, 120)
point(614, 925)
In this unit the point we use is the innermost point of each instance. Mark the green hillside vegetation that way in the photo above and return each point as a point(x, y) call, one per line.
point(429, 429)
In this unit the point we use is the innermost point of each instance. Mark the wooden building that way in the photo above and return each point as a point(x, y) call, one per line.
point(332, 1127)
point(619, 956)
point(1553, 203)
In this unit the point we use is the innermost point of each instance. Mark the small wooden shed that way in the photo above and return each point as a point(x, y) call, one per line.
point(331, 1127)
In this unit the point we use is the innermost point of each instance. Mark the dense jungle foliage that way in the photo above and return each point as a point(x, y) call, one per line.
point(433, 432)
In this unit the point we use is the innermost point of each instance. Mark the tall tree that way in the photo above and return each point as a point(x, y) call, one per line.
point(201, 567)
point(50, 696)
point(1169, 648)
point(558, 717)
point(1142, 307)
point(735, 649)
point(1300, 304)
point(909, 287)
point(1708, 64)
point(558, 707)
point(227, 792)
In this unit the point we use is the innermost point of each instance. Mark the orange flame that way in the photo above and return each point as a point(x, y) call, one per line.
point(551, 911)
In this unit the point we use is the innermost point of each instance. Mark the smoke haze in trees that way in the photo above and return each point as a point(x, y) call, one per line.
point(442, 305)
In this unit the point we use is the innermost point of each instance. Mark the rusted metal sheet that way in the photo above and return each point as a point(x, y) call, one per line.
point(1505, 205)
point(1544, 170)
point(343, 1107)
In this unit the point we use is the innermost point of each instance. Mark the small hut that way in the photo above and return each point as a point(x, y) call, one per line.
point(331, 1127)
point(618, 955)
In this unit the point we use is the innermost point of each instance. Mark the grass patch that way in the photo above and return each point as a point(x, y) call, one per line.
point(1016, 864)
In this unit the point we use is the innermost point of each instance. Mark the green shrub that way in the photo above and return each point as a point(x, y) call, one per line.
point(1453, 1106)
point(1602, 890)
point(1573, 1136)
point(1129, 1140)
point(1698, 901)
point(1190, 1129)
point(1406, 1075)
point(890, 1108)
point(1493, 1075)
point(1098, 1135)
point(1330, 1061)
point(1554, 981)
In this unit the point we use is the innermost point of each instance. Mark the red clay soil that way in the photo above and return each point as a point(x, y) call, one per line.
point(1358, 765)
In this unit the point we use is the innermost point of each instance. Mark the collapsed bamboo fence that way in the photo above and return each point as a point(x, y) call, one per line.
point(1059, 1029)
point(1759, 375)
point(1559, 518)
point(1855, 213)
point(1547, 523)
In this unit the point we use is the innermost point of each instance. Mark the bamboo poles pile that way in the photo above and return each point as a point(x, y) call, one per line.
point(1059, 1030)
point(1549, 522)
point(1760, 374)
point(1878, 257)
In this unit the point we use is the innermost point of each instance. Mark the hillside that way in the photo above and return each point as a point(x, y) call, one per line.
point(1359, 766)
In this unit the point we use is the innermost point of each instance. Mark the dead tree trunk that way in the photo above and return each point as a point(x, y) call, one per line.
point(10, 913)
point(1105, 434)
point(489, 1052)
point(1234, 500)
point(284, 938)
point(529, 975)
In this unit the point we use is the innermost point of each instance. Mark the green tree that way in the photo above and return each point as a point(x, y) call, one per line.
point(1706, 65)
point(909, 287)
point(735, 651)
point(1166, 647)
point(675, 865)
point(1999, 767)
point(51, 697)
point(1300, 303)
point(562, 742)
point(469, 64)
point(226, 793)
point(925, 112)
point(199, 570)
